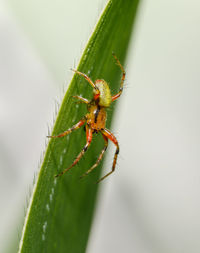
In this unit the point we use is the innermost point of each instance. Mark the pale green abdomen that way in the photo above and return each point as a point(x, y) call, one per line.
point(105, 95)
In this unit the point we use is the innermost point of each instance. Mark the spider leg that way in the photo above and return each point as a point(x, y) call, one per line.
point(89, 139)
point(111, 137)
point(86, 78)
point(99, 158)
point(74, 127)
point(83, 100)
point(122, 79)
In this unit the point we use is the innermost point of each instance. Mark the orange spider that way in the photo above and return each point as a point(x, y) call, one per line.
point(95, 119)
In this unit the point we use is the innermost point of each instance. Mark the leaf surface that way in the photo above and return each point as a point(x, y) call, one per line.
point(60, 213)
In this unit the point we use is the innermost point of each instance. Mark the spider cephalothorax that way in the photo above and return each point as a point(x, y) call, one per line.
point(95, 119)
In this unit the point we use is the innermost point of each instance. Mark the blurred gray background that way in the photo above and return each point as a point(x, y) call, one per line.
point(152, 203)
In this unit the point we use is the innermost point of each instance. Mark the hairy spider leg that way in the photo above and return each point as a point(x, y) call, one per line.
point(89, 139)
point(74, 127)
point(83, 100)
point(99, 158)
point(122, 79)
point(87, 79)
point(111, 137)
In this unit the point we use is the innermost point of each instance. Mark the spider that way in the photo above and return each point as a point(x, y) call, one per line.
point(95, 119)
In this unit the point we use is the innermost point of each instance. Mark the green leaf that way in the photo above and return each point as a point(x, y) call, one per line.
point(60, 212)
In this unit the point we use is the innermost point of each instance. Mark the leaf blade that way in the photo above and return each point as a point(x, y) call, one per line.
point(61, 211)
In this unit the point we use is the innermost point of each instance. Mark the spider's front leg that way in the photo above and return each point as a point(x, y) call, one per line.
point(89, 139)
point(111, 137)
point(83, 100)
point(74, 127)
point(85, 76)
point(87, 79)
point(122, 79)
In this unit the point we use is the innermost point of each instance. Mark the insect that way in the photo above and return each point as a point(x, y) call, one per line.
point(95, 119)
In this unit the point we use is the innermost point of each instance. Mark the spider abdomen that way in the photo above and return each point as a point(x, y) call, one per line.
point(105, 98)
